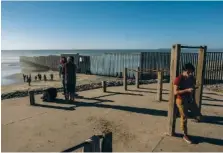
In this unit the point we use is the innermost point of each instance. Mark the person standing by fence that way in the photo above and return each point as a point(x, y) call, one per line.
point(63, 61)
point(70, 78)
point(184, 86)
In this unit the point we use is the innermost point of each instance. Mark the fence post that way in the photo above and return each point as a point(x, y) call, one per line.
point(200, 76)
point(107, 143)
point(174, 71)
point(159, 85)
point(137, 77)
point(125, 79)
point(104, 86)
point(31, 97)
point(92, 144)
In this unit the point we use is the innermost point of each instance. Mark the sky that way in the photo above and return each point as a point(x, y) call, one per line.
point(110, 25)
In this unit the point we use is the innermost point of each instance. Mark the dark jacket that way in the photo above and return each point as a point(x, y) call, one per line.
point(70, 73)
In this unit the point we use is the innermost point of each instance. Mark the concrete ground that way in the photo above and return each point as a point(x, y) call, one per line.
point(137, 122)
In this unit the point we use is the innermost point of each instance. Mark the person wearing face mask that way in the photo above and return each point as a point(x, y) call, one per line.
point(184, 86)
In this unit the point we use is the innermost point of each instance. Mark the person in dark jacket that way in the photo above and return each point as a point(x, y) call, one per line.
point(63, 61)
point(70, 78)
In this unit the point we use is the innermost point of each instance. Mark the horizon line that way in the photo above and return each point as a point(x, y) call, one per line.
point(100, 49)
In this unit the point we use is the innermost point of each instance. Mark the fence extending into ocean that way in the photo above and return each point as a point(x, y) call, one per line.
point(113, 64)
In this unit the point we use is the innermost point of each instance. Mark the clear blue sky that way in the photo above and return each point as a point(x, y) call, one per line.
point(110, 25)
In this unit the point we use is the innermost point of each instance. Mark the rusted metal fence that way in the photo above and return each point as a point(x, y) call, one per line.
point(113, 64)
point(39, 63)
point(214, 68)
point(161, 60)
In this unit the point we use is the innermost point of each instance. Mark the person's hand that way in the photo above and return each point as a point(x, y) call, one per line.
point(190, 90)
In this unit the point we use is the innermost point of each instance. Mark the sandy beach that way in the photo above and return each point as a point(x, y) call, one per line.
point(81, 79)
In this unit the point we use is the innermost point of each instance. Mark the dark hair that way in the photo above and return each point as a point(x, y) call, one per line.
point(188, 66)
point(65, 59)
point(72, 58)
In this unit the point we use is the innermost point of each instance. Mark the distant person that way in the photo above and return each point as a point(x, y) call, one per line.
point(24, 77)
point(60, 67)
point(40, 77)
point(51, 77)
point(35, 78)
point(70, 79)
point(63, 61)
point(44, 77)
point(29, 79)
point(184, 86)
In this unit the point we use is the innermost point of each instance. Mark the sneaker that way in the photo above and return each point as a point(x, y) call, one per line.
point(187, 139)
point(197, 119)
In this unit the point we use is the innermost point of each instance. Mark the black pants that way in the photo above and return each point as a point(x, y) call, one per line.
point(64, 88)
point(70, 88)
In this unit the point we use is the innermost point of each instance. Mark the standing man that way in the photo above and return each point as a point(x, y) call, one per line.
point(72, 58)
point(70, 78)
point(184, 86)
point(63, 61)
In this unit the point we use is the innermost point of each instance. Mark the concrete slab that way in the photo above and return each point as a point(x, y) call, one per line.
point(137, 123)
point(177, 144)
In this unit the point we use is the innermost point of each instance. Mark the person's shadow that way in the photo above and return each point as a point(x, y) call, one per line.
point(199, 139)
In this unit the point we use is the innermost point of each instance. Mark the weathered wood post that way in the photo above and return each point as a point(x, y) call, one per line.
point(104, 87)
point(200, 76)
point(159, 85)
point(125, 78)
point(174, 71)
point(31, 97)
point(137, 77)
point(92, 145)
point(107, 143)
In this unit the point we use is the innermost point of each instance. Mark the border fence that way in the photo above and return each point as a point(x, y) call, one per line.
point(113, 64)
